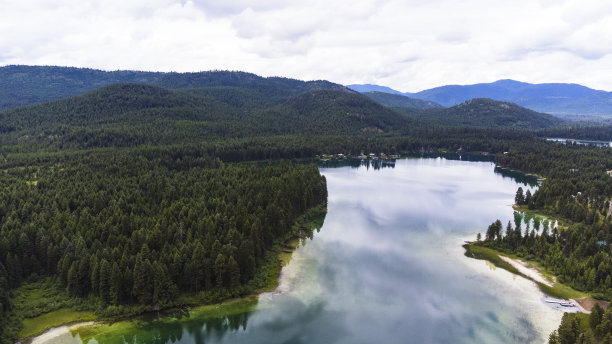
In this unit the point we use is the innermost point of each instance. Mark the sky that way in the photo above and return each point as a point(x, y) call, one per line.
point(408, 45)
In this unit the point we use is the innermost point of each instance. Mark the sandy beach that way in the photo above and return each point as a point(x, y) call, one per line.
point(527, 270)
point(61, 331)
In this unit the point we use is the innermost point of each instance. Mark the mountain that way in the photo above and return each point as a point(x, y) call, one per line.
point(333, 112)
point(363, 88)
point(554, 98)
point(137, 114)
point(24, 85)
point(400, 101)
point(484, 112)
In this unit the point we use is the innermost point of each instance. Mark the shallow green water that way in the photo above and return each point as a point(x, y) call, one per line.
point(386, 267)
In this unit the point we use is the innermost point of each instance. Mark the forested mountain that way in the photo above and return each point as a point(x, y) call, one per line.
point(553, 98)
point(135, 114)
point(400, 101)
point(482, 112)
point(271, 87)
point(23, 85)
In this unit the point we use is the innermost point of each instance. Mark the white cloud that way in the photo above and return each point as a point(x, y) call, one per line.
point(408, 45)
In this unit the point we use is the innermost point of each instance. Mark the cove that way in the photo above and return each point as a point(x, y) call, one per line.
point(386, 267)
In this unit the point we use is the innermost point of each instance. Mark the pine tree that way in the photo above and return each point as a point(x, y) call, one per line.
point(143, 288)
point(596, 315)
point(160, 283)
point(116, 288)
point(519, 199)
point(83, 276)
point(234, 273)
point(94, 277)
point(219, 269)
point(73, 279)
point(104, 285)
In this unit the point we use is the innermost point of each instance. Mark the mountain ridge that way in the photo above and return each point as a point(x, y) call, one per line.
point(24, 85)
point(562, 99)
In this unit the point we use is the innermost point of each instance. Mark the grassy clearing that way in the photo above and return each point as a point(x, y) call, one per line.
point(557, 290)
point(43, 296)
point(35, 326)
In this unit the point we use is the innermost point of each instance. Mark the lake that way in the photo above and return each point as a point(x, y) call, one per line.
point(582, 142)
point(387, 266)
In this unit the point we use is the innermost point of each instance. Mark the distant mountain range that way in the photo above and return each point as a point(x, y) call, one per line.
point(554, 98)
point(72, 108)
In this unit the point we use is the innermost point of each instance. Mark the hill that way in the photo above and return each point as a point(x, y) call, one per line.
point(400, 101)
point(336, 112)
point(135, 114)
point(23, 85)
point(270, 86)
point(488, 113)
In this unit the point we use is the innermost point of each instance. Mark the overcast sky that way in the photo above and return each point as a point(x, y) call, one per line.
point(408, 45)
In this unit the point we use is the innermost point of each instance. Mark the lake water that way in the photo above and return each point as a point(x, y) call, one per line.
point(386, 267)
point(582, 142)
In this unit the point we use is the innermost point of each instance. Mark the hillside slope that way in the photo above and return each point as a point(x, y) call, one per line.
point(136, 114)
point(23, 85)
point(400, 101)
point(488, 113)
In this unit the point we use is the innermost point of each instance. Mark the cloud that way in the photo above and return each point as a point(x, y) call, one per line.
point(408, 45)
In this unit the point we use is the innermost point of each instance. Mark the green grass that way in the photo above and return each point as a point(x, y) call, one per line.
point(557, 290)
point(42, 296)
point(485, 253)
point(150, 327)
point(35, 326)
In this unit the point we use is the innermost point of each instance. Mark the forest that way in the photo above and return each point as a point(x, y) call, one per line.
point(576, 190)
point(141, 228)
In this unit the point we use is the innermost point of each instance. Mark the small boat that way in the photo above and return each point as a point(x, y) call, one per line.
point(563, 303)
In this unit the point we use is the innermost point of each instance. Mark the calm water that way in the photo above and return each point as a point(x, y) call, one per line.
point(582, 142)
point(386, 267)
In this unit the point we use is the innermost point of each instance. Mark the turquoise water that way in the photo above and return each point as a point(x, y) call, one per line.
point(386, 267)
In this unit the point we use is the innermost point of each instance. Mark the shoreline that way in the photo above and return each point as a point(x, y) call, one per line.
point(283, 253)
point(55, 332)
point(547, 284)
point(530, 271)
